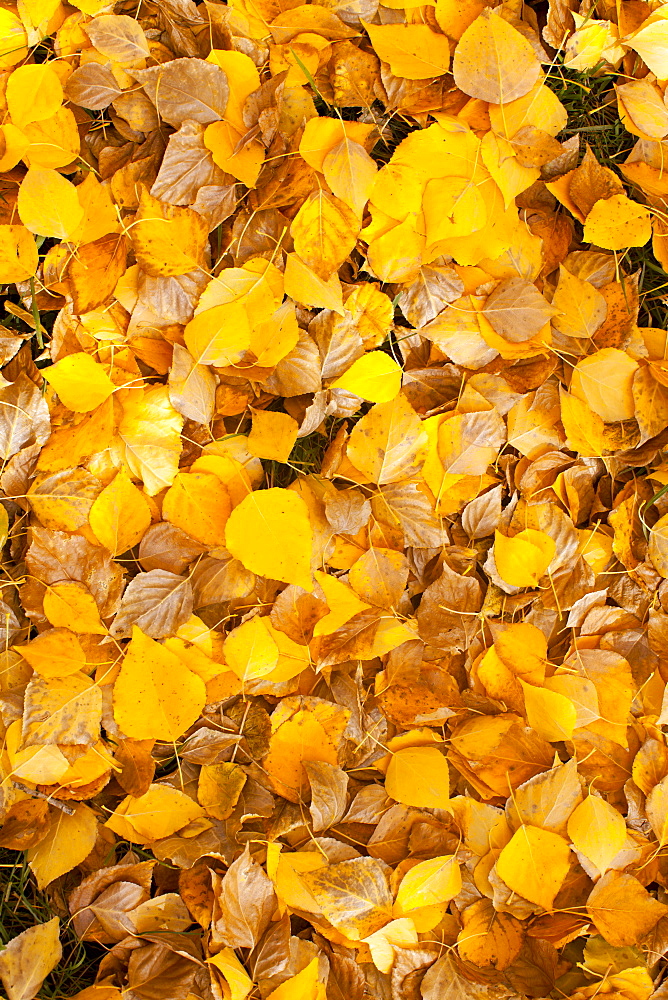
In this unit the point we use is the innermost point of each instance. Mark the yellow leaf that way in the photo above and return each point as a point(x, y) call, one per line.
point(15, 145)
point(453, 206)
point(322, 135)
point(34, 92)
point(523, 559)
point(350, 173)
point(623, 910)
point(454, 16)
point(284, 869)
point(219, 787)
point(240, 68)
point(48, 204)
point(324, 231)
point(219, 336)
point(353, 895)
point(419, 776)
point(239, 982)
point(199, 504)
point(69, 604)
point(598, 831)
point(100, 213)
point(303, 285)
point(657, 810)
point(400, 933)
point(581, 307)
point(70, 840)
point(150, 429)
point(91, 7)
point(273, 338)
point(435, 881)
point(156, 696)
point(54, 143)
point(534, 864)
point(167, 239)
point(241, 159)
point(120, 516)
point(550, 713)
point(81, 383)
point(250, 650)
point(304, 986)
point(389, 443)
point(523, 648)
point(159, 813)
point(272, 435)
point(375, 376)
point(342, 601)
point(301, 734)
point(56, 653)
point(584, 428)
point(604, 381)
point(18, 254)
point(27, 959)
point(413, 51)
point(13, 40)
point(617, 222)
point(493, 61)
point(42, 765)
point(256, 532)
point(650, 41)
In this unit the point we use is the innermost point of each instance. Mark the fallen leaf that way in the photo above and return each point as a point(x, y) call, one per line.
point(255, 530)
point(534, 864)
point(155, 695)
point(27, 959)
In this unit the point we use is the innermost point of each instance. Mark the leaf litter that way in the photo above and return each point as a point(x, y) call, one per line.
point(334, 509)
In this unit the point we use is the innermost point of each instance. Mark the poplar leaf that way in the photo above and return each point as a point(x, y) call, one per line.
point(534, 864)
point(256, 529)
point(598, 830)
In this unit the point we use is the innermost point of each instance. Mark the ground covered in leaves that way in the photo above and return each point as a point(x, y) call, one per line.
point(333, 408)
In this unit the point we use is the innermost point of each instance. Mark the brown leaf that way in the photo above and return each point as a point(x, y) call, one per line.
point(187, 166)
point(482, 516)
point(244, 904)
point(410, 506)
point(137, 766)
point(433, 289)
point(55, 555)
point(329, 785)
point(517, 310)
point(159, 602)
point(63, 500)
point(447, 616)
point(92, 86)
point(164, 546)
point(25, 825)
point(63, 710)
point(86, 922)
point(489, 938)
point(119, 37)
point(155, 971)
point(295, 612)
point(186, 90)
point(24, 416)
